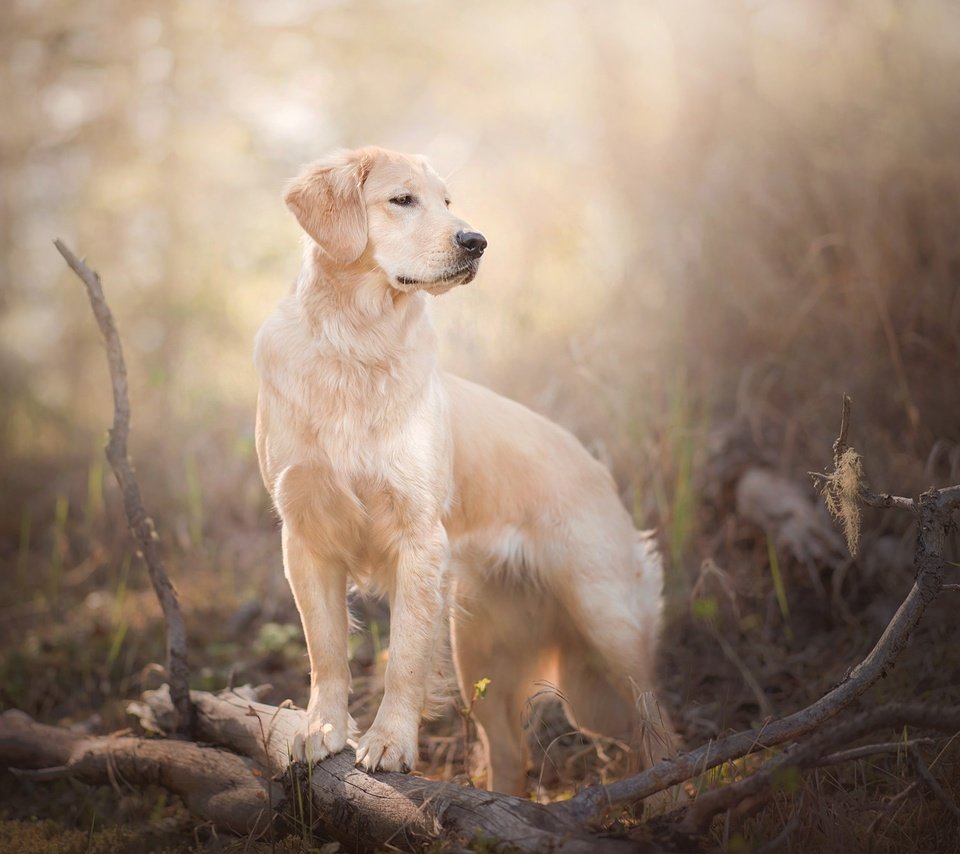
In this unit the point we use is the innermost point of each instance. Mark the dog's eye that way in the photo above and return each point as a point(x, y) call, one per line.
point(404, 201)
point(447, 202)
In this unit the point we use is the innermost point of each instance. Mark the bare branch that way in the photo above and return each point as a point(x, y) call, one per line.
point(930, 783)
point(221, 787)
point(831, 483)
point(865, 750)
point(840, 444)
point(141, 525)
point(883, 500)
point(950, 497)
point(933, 510)
point(809, 754)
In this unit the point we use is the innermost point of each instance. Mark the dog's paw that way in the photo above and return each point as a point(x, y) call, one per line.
point(321, 738)
point(381, 749)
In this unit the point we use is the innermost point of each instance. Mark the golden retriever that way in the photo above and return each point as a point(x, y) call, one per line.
point(464, 507)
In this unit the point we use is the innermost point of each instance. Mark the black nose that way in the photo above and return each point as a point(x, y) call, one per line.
point(472, 241)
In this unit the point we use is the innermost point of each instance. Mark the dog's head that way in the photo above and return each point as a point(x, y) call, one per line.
point(372, 206)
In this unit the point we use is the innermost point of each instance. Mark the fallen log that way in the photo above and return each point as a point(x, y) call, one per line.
point(368, 811)
point(235, 792)
point(229, 790)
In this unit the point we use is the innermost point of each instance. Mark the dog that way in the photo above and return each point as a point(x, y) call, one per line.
point(464, 507)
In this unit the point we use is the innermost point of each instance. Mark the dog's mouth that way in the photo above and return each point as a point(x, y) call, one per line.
point(460, 275)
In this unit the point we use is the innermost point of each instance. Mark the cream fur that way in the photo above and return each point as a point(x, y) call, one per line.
point(387, 472)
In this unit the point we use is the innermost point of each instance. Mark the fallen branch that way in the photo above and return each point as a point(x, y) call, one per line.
point(385, 809)
point(141, 525)
point(364, 812)
point(933, 511)
point(930, 783)
point(893, 748)
point(762, 783)
point(218, 786)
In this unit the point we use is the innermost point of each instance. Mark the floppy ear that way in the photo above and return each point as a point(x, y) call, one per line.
point(326, 200)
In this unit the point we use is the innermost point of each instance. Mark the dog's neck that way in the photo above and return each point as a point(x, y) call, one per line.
point(353, 312)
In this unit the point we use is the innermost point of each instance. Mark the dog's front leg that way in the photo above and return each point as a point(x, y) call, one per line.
point(320, 590)
point(417, 601)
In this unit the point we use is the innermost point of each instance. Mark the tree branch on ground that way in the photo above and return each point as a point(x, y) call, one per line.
point(761, 785)
point(933, 510)
point(215, 785)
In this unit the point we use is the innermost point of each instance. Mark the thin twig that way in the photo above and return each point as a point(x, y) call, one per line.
point(141, 525)
point(888, 747)
point(776, 843)
point(840, 444)
point(930, 783)
point(884, 501)
point(895, 801)
point(766, 710)
point(880, 500)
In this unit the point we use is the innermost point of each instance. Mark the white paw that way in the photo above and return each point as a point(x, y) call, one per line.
point(380, 749)
point(321, 737)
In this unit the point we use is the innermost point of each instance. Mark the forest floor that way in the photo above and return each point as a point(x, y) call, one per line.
point(81, 635)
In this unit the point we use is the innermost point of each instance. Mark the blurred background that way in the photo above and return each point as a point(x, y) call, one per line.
point(706, 223)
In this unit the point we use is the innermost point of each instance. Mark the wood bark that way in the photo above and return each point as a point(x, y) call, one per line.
point(810, 753)
point(229, 790)
point(362, 811)
point(367, 811)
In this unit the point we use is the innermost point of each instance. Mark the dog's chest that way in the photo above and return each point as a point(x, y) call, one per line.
point(370, 421)
point(355, 442)
point(381, 443)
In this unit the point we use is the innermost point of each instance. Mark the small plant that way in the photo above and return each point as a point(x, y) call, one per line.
point(60, 542)
point(283, 638)
point(779, 587)
point(466, 713)
point(479, 691)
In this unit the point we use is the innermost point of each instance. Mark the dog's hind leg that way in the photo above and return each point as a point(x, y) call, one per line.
point(607, 661)
point(602, 698)
point(592, 703)
point(497, 636)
